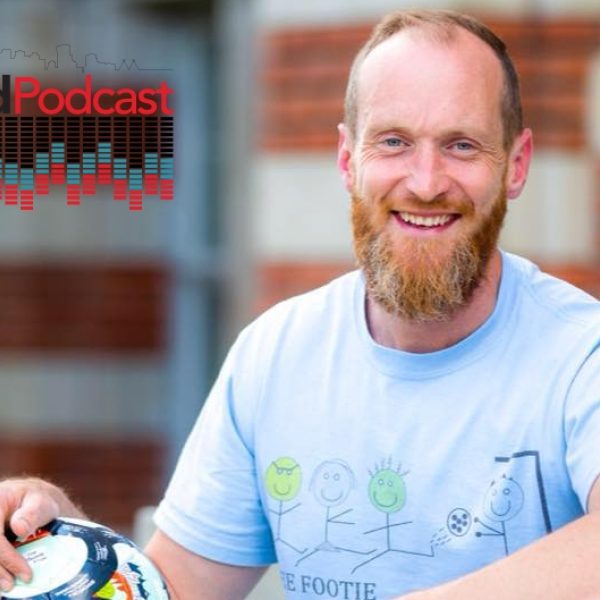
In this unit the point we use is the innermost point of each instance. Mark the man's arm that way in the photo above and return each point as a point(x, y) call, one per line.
point(562, 565)
point(192, 577)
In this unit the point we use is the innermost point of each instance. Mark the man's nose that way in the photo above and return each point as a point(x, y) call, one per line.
point(426, 178)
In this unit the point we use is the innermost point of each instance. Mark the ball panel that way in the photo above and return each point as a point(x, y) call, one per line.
point(141, 575)
point(54, 560)
point(80, 560)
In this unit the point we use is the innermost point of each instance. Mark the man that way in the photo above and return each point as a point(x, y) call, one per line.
point(418, 429)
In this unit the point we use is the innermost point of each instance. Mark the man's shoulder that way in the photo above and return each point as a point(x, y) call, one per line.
point(554, 297)
point(341, 289)
point(311, 311)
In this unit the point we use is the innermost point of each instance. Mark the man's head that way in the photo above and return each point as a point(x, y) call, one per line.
point(443, 25)
point(432, 148)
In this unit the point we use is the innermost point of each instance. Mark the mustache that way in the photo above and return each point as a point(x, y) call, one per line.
point(413, 203)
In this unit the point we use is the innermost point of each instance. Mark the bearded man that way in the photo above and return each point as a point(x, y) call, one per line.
point(443, 401)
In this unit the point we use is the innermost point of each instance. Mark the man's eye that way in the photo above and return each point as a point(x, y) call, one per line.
point(393, 142)
point(463, 146)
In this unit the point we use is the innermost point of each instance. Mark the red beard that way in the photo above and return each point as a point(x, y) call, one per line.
point(424, 279)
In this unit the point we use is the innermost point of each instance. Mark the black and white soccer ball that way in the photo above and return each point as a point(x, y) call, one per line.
point(73, 559)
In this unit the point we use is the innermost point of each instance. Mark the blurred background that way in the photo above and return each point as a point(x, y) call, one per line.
point(113, 323)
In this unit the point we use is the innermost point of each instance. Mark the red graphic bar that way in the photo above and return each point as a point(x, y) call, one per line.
point(73, 195)
point(11, 197)
point(120, 189)
point(57, 173)
point(42, 184)
point(104, 173)
point(151, 184)
point(135, 199)
point(89, 184)
point(166, 189)
point(26, 200)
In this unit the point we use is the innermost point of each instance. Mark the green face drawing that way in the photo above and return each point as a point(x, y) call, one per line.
point(283, 479)
point(387, 491)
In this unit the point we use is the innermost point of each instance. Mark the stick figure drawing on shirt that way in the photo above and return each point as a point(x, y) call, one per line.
point(387, 492)
point(282, 482)
point(331, 483)
point(503, 501)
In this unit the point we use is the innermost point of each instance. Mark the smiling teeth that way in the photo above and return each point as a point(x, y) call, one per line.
point(425, 221)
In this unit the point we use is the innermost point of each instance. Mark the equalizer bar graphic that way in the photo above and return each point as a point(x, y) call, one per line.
point(134, 154)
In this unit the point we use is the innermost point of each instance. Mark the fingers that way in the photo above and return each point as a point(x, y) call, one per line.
point(36, 510)
point(25, 505)
point(12, 564)
point(21, 526)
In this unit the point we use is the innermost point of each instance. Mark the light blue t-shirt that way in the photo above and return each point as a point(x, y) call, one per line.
point(368, 472)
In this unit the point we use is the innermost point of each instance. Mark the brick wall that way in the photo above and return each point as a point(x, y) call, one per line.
point(92, 307)
point(109, 478)
point(74, 310)
point(305, 70)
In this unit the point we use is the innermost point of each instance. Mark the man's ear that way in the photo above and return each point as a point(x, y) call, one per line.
point(519, 160)
point(344, 157)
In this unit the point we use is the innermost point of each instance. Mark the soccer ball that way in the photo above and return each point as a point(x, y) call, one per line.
point(73, 559)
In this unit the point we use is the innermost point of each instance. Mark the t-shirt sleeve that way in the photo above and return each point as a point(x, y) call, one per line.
point(212, 505)
point(582, 427)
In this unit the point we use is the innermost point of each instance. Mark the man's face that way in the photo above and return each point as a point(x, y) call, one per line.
point(428, 171)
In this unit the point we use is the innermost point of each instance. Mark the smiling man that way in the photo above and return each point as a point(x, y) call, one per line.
point(430, 180)
point(449, 390)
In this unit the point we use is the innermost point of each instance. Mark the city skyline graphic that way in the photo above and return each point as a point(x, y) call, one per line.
point(65, 60)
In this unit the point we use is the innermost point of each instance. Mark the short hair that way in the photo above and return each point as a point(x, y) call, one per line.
point(443, 23)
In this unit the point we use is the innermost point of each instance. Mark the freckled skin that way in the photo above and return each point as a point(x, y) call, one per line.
point(283, 479)
point(429, 126)
point(414, 136)
point(387, 491)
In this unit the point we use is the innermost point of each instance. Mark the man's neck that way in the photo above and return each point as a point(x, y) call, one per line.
point(429, 336)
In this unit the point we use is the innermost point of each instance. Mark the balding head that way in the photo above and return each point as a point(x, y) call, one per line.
point(442, 27)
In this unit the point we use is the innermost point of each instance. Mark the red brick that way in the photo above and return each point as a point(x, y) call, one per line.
point(93, 307)
point(305, 71)
point(110, 477)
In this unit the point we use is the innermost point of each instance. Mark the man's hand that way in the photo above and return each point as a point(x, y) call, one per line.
point(25, 505)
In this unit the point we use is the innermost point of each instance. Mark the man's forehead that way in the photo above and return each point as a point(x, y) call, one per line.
point(416, 66)
point(415, 44)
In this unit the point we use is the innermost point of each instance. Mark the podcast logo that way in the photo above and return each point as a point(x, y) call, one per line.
point(86, 136)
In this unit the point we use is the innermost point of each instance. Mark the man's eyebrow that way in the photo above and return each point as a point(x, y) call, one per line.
point(480, 134)
point(476, 133)
point(380, 128)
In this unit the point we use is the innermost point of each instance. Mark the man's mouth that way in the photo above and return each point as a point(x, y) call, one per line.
point(425, 221)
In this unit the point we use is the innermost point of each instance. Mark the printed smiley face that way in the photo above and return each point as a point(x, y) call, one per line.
point(503, 500)
point(283, 479)
point(387, 491)
point(331, 482)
